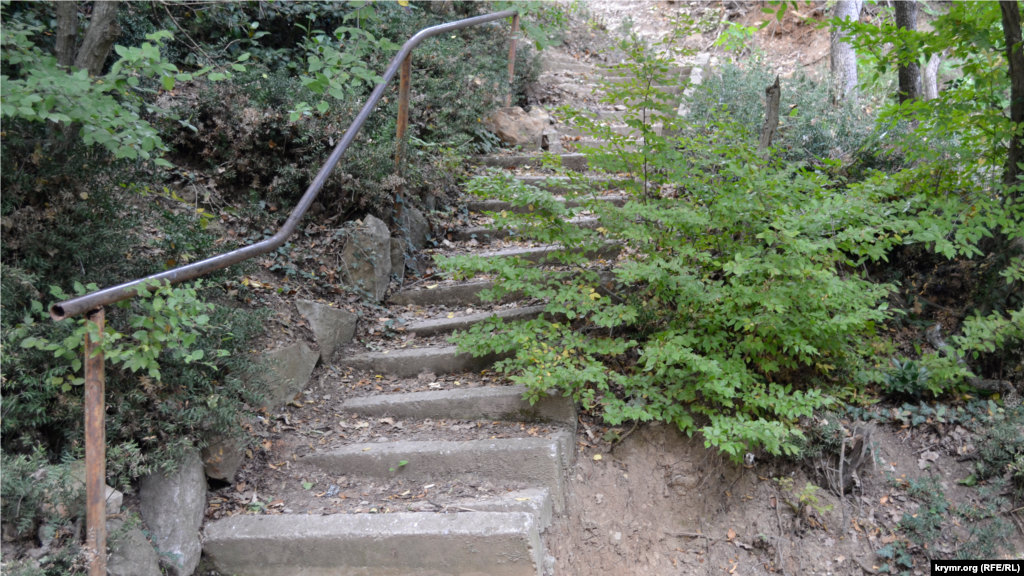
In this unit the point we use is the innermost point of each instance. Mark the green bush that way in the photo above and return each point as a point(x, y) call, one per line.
point(734, 306)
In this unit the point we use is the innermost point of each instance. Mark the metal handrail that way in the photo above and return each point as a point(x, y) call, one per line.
point(88, 302)
point(92, 304)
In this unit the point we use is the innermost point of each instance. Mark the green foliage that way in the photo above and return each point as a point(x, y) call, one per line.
point(110, 110)
point(1001, 446)
point(735, 301)
point(36, 491)
point(906, 378)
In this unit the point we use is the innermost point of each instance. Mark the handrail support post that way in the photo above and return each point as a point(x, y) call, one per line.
point(512, 61)
point(403, 126)
point(95, 447)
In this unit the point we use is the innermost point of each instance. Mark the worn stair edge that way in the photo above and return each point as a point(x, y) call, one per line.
point(574, 162)
point(537, 461)
point(482, 233)
point(541, 255)
point(494, 543)
point(465, 294)
point(535, 501)
point(412, 361)
point(498, 403)
point(500, 205)
point(557, 184)
point(442, 325)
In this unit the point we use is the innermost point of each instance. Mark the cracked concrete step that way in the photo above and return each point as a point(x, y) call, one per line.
point(499, 205)
point(482, 233)
point(494, 543)
point(536, 461)
point(410, 362)
point(497, 403)
point(442, 325)
point(535, 501)
point(459, 295)
point(545, 254)
point(621, 129)
point(574, 162)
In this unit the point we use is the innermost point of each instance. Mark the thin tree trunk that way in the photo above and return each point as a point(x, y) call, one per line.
point(909, 73)
point(102, 32)
point(930, 78)
point(1015, 56)
point(842, 57)
point(771, 116)
point(67, 33)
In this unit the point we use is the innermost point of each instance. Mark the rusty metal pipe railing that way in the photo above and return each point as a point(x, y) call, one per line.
point(92, 304)
point(88, 302)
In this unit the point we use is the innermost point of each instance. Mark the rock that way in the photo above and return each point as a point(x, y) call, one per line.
point(415, 227)
point(114, 497)
point(397, 258)
point(291, 368)
point(173, 507)
point(367, 256)
point(332, 326)
point(222, 457)
point(131, 554)
point(516, 127)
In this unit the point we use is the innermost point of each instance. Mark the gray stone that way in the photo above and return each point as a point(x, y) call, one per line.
point(222, 457)
point(415, 227)
point(113, 497)
point(537, 461)
point(491, 543)
point(497, 403)
point(464, 294)
point(290, 370)
point(398, 258)
point(574, 162)
point(517, 127)
point(131, 554)
point(367, 257)
point(332, 326)
point(173, 507)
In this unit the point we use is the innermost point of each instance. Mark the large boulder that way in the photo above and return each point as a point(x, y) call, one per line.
point(290, 369)
point(517, 127)
point(173, 507)
point(398, 258)
point(415, 227)
point(367, 257)
point(332, 326)
point(222, 457)
point(131, 554)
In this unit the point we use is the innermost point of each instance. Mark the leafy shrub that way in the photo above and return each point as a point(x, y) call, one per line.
point(906, 378)
point(738, 266)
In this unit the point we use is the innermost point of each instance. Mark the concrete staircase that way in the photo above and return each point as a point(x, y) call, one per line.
point(498, 532)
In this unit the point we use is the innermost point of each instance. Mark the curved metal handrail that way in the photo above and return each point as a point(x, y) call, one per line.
point(89, 302)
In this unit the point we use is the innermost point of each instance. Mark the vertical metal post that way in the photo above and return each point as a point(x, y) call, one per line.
point(95, 449)
point(512, 60)
point(403, 125)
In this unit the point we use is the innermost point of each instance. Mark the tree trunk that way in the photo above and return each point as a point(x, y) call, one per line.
point(930, 78)
point(842, 57)
point(67, 33)
point(909, 73)
point(771, 116)
point(102, 32)
point(1015, 56)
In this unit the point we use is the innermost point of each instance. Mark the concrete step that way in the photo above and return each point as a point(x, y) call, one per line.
point(574, 162)
point(535, 501)
point(537, 461)
point(496, 403)
point(487, 234)
point(442, 325)
point(560, 184)
point(410, 362)
point(546, 254)
point(458, 295)
point(500, 205)
point(618, 129)
point(494, 543)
